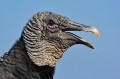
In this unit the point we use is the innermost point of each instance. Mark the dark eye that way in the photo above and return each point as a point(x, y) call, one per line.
point(51, 22)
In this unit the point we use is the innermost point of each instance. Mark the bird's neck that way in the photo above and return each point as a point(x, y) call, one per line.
point(20, 61)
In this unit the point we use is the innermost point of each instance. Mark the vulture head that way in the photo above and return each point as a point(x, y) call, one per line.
point(46, 37)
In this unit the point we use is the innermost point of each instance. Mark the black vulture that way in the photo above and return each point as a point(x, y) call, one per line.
point(42, 43)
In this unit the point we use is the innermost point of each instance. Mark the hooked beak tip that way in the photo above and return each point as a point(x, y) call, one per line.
point(94, 31)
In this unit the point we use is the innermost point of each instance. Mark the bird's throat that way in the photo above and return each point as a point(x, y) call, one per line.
point(48, 54)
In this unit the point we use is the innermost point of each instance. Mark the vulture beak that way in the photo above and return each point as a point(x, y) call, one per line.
point(73, 26)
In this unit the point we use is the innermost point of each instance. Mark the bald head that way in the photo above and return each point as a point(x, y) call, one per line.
point(46, 39)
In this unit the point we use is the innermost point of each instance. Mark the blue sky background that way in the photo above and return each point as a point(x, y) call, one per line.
point(79, 61)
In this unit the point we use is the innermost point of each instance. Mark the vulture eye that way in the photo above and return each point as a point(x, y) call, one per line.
point(51, 22)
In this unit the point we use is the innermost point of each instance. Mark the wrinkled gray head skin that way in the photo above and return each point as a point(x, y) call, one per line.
point(46, 39)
